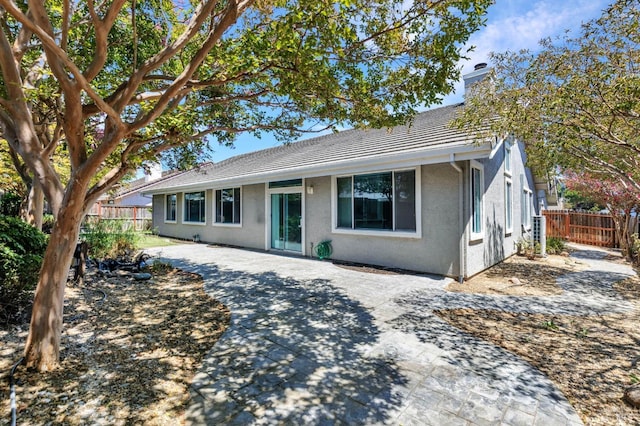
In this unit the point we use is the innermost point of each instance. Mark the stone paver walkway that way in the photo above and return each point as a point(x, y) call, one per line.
point(312, 343)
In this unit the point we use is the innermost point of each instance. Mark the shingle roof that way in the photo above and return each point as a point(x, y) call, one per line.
point(428, 131)
point(127, 188)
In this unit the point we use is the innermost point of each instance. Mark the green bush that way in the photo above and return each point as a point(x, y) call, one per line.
point(555, 245)
point(47, 223)
point(10, 204)
point(21, 250)
point(109, 238)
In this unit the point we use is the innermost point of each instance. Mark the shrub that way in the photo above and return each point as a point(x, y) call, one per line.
point(10, 204)
point(109, 238)
point(21, 249)
point(47, 223)
point(555, 245)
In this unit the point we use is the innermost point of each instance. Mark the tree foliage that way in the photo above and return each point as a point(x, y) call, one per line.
point(622, 202)
point(576, 103)
point(118, 83)
point(21, 250)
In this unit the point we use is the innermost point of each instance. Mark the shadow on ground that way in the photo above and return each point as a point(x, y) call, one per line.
point(294, 353)
point(584, 293)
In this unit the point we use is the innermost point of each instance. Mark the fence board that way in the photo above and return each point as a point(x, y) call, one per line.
point(585, 228)
point(140, 216)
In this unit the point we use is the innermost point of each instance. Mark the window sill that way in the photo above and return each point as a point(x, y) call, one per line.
point(374, 233)
point(173, 222)
point(474, 238)
point(227, 225)
point(194, 223)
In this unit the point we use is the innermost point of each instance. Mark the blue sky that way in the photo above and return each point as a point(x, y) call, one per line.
point(511, 25)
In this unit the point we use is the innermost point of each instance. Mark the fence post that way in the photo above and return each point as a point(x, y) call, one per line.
point(135, 218)
point(567, 225)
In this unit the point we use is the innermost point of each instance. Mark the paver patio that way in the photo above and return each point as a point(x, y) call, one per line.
point(313, 343)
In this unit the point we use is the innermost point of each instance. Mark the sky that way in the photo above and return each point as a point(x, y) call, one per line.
point(511, 25)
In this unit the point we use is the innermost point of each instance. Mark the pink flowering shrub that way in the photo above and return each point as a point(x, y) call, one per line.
point(622, 201)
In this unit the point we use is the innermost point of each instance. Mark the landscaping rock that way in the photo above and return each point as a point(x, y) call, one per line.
point(142, 276)
point(515, 281)
point(632, 396)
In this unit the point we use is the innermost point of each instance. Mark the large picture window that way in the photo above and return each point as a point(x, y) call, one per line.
point(194, 207)
point(377, 201)
point(171, 205)
point(228, 206)
point(477, 192)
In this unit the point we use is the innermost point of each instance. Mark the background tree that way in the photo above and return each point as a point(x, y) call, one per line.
point(122, 82)
point(622, 201)
point(576, 103)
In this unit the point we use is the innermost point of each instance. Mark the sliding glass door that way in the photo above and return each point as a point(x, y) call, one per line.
point(286, 221)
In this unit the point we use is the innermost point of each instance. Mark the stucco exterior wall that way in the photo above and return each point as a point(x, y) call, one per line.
point(250, 233)
point(497, 243)
point(437, 250)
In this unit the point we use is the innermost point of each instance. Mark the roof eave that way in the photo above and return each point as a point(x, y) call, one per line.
point(430, 155)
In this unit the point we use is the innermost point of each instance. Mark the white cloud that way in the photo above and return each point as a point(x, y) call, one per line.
point(521, 25)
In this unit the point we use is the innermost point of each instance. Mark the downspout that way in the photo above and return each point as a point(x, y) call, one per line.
point(460, 217)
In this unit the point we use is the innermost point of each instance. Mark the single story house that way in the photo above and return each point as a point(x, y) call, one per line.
point(423, 197)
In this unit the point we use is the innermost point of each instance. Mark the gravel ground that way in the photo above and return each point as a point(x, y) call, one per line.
point(129, 351)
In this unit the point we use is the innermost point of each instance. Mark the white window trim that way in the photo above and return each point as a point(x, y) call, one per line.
point(215, 210)
point(267, 206)
point(165, 209)
point(507, 153)
point(376, 233)
point(184, 209)
point(475, 236)
point(527, 200)
point(508, 206)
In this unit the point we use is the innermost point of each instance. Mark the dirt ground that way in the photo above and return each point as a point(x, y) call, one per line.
point(129, 351)
point(131, 348)
point(520, 276)
point(591, 359)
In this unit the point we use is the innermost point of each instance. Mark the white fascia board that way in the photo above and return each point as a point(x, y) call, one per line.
point(411, 158)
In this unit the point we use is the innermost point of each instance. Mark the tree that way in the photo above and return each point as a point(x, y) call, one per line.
point(622, 201)
point(122, 82)
point(576, 103)
point(16, 178)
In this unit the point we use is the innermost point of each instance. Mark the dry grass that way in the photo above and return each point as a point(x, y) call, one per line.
point(129, 352)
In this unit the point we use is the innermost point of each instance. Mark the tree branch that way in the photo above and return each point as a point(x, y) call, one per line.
point(227, 18)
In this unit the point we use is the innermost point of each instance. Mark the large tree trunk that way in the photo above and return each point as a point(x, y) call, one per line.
point(42, 349)
point(35, 205)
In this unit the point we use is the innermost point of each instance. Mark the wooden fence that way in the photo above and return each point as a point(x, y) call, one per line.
point(594, 229)
point(140, 216)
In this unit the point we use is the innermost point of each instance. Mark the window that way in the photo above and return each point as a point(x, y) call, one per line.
point(194, 205)
point(171, 204)
point(477, 191)
point(507, 156)
point(285, 183)
point(527, 198)
point(377, 201)
point(228, 206)
point(508, 205)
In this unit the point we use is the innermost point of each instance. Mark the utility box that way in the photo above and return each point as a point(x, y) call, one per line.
point(539, 233)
